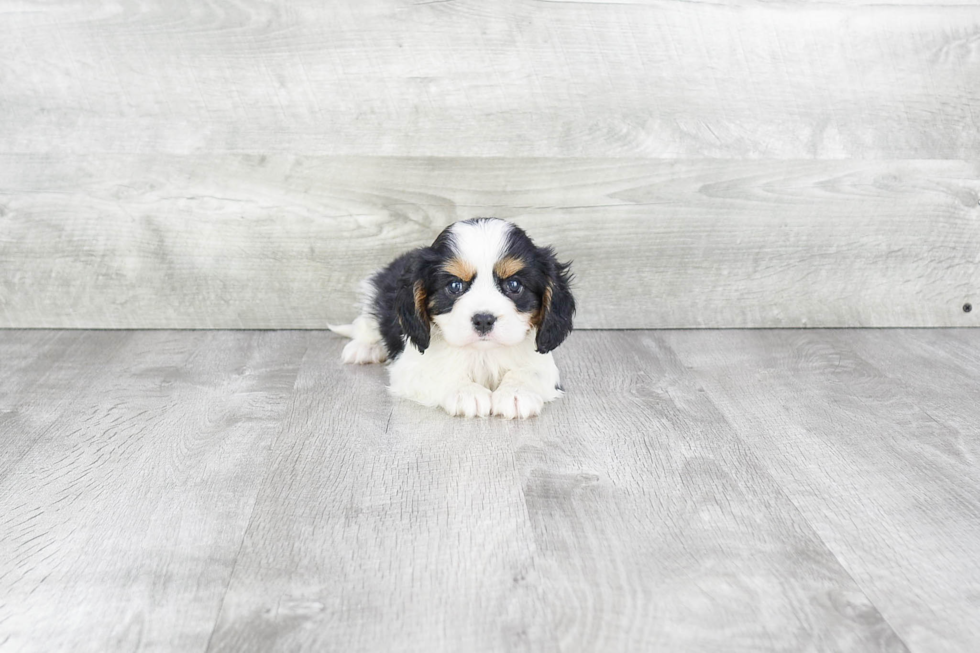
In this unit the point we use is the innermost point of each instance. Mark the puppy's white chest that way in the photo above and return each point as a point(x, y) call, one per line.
point(487, 369)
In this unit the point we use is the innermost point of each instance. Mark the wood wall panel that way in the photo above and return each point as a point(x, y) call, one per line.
point(243, 163)
point(663, 79)
point(243, 241)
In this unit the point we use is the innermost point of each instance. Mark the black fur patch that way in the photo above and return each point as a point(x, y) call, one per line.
point(395, 304)
point(390, 285)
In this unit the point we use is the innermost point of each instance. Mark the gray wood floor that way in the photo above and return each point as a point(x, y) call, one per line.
point(799, 490)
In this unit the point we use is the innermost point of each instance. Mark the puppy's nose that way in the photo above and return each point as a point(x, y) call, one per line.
point(483, 323)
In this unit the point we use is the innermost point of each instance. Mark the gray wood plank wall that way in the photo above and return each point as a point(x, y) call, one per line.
point(243, 164)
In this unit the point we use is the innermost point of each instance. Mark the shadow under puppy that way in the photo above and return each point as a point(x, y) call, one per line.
point(469, 322)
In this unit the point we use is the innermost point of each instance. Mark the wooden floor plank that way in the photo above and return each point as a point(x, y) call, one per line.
point(42, 374)
point(937, 372)
point(648, 507)
point(874, 438)
point(120, 526)
point(626, 517)
point(383, 526)
point(698, 491)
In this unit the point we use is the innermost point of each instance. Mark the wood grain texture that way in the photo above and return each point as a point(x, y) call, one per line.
point(671, 540)
point(627, 517)
point(513, 78)
point(237, 241)
point(41, 378)
point(873, 436)
point(382, 526)
point(121, 518)
point(696, 491)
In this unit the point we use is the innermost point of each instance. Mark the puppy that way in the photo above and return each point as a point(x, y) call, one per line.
point(469, 322)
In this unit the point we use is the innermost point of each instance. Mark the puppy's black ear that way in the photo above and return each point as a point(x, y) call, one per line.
point(411, 304)
point(557, 304)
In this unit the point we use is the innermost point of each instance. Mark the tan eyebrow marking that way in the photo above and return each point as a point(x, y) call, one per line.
point(508, 267)
point(460, 268)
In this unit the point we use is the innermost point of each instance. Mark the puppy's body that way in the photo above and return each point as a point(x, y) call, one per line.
point(511, 382)
point(469, 322)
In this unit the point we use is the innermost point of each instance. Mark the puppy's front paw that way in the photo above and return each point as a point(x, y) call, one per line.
point(471, 400)
point(511, 402)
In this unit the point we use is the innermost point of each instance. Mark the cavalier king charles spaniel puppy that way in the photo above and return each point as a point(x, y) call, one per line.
point(469, 322)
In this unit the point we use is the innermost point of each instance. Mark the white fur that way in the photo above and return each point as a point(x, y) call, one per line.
point(511, 382)
point(461, 371)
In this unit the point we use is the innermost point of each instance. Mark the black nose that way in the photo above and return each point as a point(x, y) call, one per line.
point(483, 323)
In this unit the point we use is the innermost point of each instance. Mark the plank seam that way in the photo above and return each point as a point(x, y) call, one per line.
point(764, 470)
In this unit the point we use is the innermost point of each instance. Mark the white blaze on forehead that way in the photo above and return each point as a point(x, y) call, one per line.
point(481, 244)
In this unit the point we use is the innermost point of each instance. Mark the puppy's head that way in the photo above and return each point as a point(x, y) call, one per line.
point(484, 284)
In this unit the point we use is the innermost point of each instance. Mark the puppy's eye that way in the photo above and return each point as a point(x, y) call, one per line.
point(455, 287)
point(513, 286)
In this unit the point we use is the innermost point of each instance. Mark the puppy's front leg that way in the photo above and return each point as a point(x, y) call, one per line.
point(437, 379)
point(523, 392)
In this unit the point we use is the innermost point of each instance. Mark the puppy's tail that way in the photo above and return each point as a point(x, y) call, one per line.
point(346, 330)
